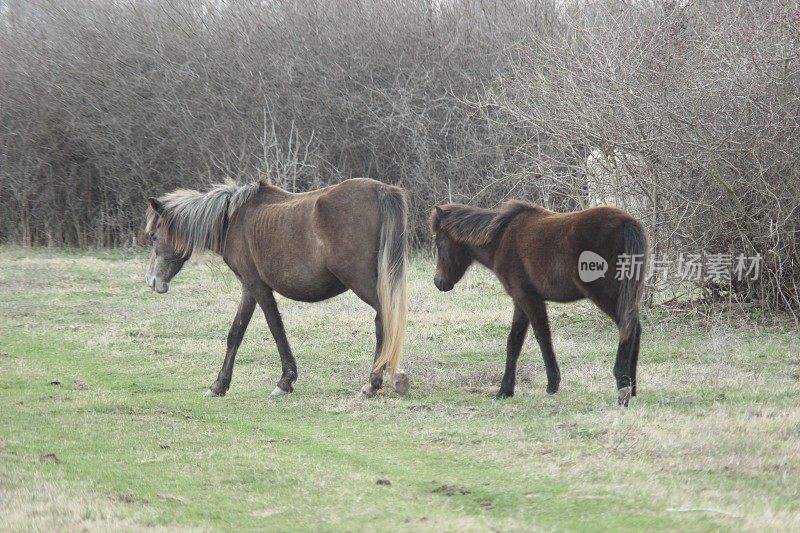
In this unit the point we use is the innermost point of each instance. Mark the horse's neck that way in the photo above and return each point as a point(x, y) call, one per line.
point(483, 254)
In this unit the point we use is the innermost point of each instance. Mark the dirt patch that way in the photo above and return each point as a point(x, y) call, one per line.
point(49, 458)
point(170, 498)
point(449, 490)
point(126, 498)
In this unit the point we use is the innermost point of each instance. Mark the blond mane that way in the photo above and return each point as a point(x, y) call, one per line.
point(195, 221)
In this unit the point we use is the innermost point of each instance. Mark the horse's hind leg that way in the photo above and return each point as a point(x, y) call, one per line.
point(627, 352)
point(625, 364)
point(399, 382)
point(246, 307)
point(288, 364)
point(634, 357)
point(376, 376)
point(366, 289)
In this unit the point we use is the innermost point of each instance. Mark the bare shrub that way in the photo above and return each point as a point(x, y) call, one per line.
point(693, 109)
point(687, 111)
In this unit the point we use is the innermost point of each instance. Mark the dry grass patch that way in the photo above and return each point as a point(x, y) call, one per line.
point(711, 442)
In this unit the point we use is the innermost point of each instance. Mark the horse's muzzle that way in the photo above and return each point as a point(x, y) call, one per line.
point(156, 284)
point(442, 285)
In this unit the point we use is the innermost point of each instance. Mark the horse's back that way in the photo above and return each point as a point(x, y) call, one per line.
point(305, 245)
point(272, 239)
point(535, 255)
point(542, 248)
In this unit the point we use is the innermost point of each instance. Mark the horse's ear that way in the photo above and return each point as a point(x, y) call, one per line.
point(157, 206)
point(434, 221)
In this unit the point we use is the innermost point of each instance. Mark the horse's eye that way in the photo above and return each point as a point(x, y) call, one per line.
point(152, 236)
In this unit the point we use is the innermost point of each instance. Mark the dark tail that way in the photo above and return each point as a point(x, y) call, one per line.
point(632, 287)
point(392, 293)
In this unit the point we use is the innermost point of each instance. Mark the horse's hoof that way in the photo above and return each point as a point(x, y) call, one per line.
point(401, 382)
point(503, 395)
point(211, 394)
point(368, 390)
point(278, 392)
point(624, 396)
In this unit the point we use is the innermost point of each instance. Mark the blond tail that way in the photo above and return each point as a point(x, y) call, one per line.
point(392, 293)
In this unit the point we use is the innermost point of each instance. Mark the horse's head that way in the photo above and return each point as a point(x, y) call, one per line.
point(165, 259)
point(453, 257)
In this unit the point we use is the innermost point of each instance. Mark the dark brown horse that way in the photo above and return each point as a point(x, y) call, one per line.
point(540, 256)
point(307, 247)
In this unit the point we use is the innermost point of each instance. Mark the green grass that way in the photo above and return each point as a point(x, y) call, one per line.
point(109, 377)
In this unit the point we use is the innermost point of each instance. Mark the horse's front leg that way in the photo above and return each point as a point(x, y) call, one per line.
point(536, 310)
point(235, 335)
point(516, 338)
point(288, 364)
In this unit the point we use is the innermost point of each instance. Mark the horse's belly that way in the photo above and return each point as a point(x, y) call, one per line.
point(564, 295)
point(556, 287)
point(313, 288)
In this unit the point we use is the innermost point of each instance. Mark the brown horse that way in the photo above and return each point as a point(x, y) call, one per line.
point(540, 256)
point(308, 247)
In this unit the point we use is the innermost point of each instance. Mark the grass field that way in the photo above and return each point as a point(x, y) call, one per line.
point(103, 423)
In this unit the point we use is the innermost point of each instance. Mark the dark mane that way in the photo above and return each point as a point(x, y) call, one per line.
point(474, 225)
